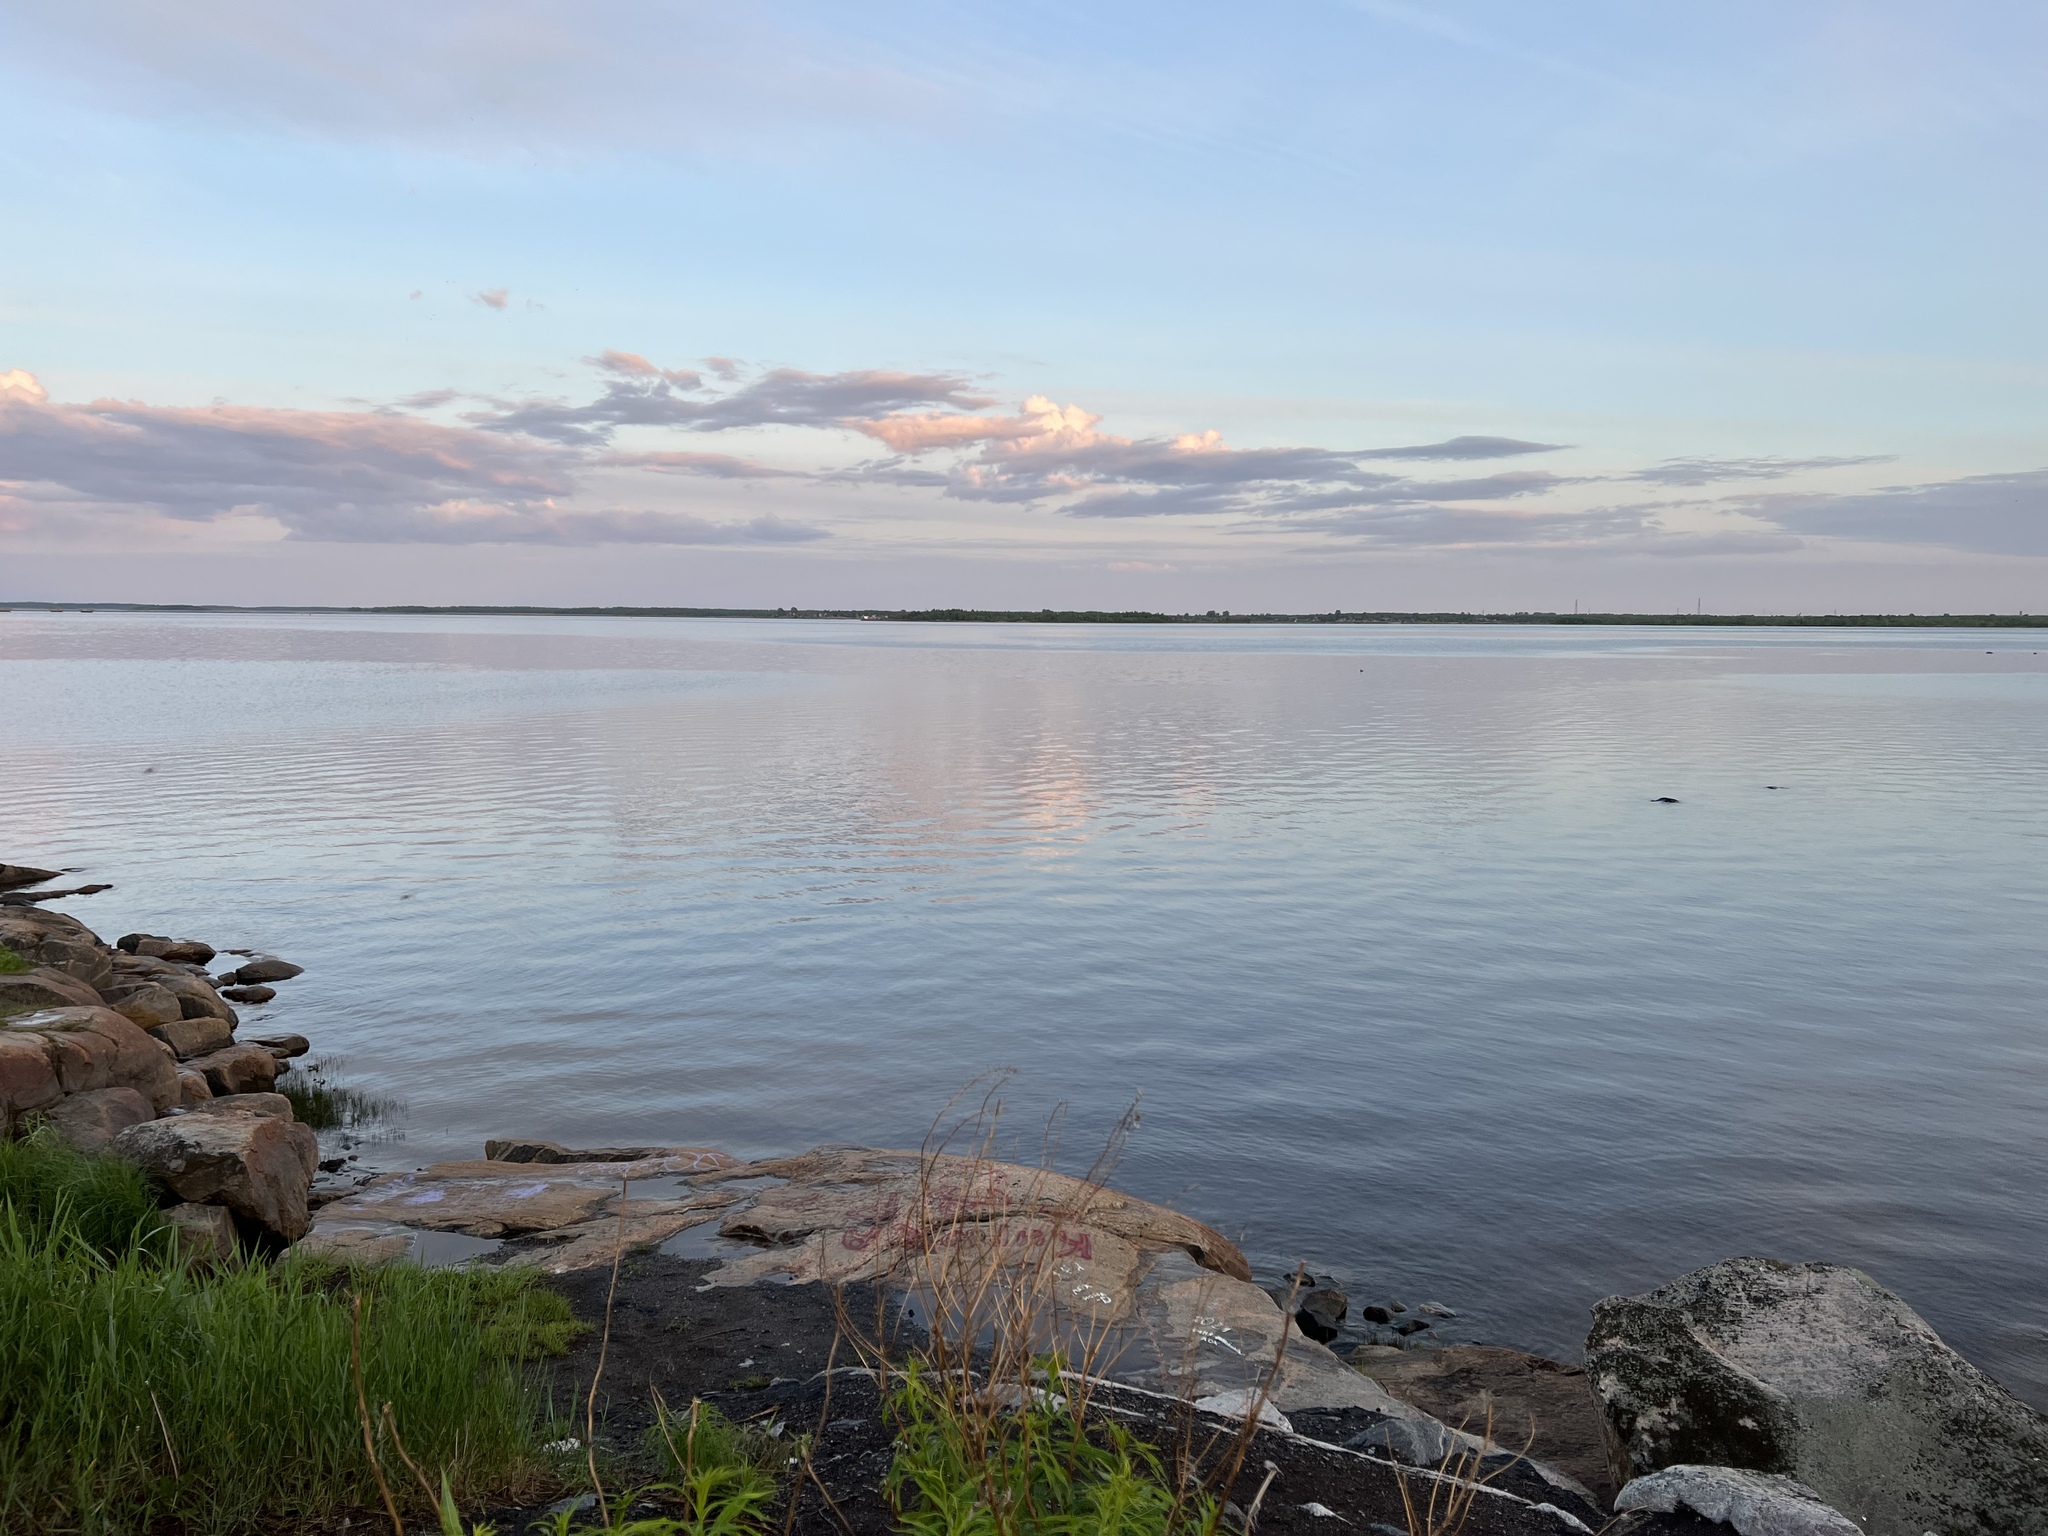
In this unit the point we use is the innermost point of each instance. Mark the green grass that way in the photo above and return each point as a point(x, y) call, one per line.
point(1040, 1470)
point(324, 1105)
point(12, 964)
point(141, 1394)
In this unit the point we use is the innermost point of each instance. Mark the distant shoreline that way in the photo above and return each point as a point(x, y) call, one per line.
point(1097, 616)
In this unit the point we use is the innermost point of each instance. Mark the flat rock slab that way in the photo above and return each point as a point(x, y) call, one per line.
point(1754, 1503)
point(1818, 1372)
point(14, 876)
point(484, 1198)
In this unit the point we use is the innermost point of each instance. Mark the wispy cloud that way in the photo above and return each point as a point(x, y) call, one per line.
point(492, 298)
point(1765, 467)
point(1991, 514)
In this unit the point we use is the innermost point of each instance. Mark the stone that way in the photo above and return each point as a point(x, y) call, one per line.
point(259, 1166)
point(13, 876)
point(91, 1120)
point(268, 968)
point(1414, 1442)
point(1410, 1325)
point(250, 995)
point(44, 987)
point(1755, 1503)
point(91, 1048)
point(188, 1038)
point(28, 1078)
point(274, 1105)
point(631, 1223)
point(157, 947)
point(526, 1150)
point(1817, 1372)
point(1239, 1404)
point(205, 1233)
point(144, 1002)
point(237, 1069)
point(362, 1247)
point(1376, 1314)
point(58, 941)
point(193, 1088)
point(283, 1045)
point(481, 1199)
point(1320, 1313)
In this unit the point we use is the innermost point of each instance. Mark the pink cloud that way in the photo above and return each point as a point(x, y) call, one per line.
point(493, 298)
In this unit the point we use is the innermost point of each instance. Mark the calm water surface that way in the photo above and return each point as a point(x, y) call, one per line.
point(1417, 983)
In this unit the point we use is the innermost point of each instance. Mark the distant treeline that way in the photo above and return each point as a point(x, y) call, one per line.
point(1132, 616)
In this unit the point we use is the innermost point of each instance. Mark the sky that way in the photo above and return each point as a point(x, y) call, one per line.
point(1315, 304)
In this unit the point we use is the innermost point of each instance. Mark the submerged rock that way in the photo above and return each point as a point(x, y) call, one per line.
point(13, 876)
point(1817, 1372)
point(269, 968)
point(251, 995)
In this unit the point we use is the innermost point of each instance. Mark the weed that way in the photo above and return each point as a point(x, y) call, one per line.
point(12, 964)
point(324, 1105)
point(100, 1201)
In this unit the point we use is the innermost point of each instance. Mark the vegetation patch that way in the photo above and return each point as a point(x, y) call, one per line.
point(12, 964)
point(324, 1105)
point(141, 1392)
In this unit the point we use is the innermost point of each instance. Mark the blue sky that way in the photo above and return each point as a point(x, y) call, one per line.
point(660, 302)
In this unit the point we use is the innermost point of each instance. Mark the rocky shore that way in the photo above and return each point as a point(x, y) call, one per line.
point(1769, 1398)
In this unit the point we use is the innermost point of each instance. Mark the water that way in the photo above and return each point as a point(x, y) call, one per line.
point(1417, 982)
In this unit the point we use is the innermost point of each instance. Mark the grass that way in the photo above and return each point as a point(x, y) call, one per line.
point(324, 1105)
point(12, 964)
point(141, 1393)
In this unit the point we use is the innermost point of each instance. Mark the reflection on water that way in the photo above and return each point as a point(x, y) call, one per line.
point(1418, 984)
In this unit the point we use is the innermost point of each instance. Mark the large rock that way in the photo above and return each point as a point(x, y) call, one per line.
point(84, 1049)
point(56, 940)
point(258, 1166)
point(269, 968)
point(14, 875)
point(1754, 1503)
point(1817, 1372)
point(143, 1002)
point(44, 987)
point(188, 1038)
point(90, 1121)
point(237, 1069)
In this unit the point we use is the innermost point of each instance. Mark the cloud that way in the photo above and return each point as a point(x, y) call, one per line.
point(492, 298)
point(721, 466)
point(1464, 448)
point(1990, 514)
point(1766, 467)
point(337, 476)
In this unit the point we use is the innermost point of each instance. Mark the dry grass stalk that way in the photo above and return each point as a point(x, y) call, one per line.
point(1456, 1484)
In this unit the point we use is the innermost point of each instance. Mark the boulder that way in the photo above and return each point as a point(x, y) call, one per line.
point(1817, 1372)
point(259, 1166)
point(188, 1038)
point(13, 876)
point(251, 995)
point(44, 987)
point(283, 1045)
point(274, 1105)
point(1754, 1503)
point(56, 940)
point(91, 1120)
point(268, 968)
point(91, 1048)
point(143, 1002)
point(1320, 1313)
point(28, 1078)
point(193, 1089)
point(205, 1233)
point(237, 1069)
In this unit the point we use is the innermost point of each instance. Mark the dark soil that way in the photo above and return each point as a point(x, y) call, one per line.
point(760, 1355)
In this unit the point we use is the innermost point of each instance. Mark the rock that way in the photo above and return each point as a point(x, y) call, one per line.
point(1414, 1442)
point(44, 987)
point(237, 1069)
point(91, 1048)
point(91, 1120)
point(28, 1078)
point(1237, 1405)
point(1818, 1372)
point(1376, 1314)
point(258, 1166)
point(1321, 1313)
point(248, 994)
point(205, 1233)
point(283, 1045)
point(188, 1038)
point(1755, 1503)
point(189, 951)
point(144, 1003)
point(56, 940)
point(13, 876)
point(1663, 800)
point(274, 1105)
point(361, 1247)
point(27, 898)
point(482, 1199)
point(635, 1223)
point(1435, 1309)
point(1529, 1399)
point(193, 1088)
point(1410, 1325)
point(267, 969)
point(525, 1150)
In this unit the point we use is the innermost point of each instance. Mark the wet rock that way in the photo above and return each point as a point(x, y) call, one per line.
point(1409, 1326)
point(44, 987)
point(205, 1233)
point(258, 1166)
point(189, 951)
point(250, 995)
point(482, 1199)
point(26, 898)
point(237, 1069)
point(527, 1150)
point(189, 1038)
point(14, 876)
point(268, 968)
point(1755, 1503)
point(1663, 800)
point(85, 1049)
point(1320, 1313)
point(283, 1046)
point(633, 1223)
point(1818, 1372)
point(144, 1003)
point(90, 1121)
point(1376, 1314)
point(1435, 1309)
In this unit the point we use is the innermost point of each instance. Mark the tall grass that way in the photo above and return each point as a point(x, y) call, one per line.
point(139, 1392)
point(12, 964)
point(323, 1104)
